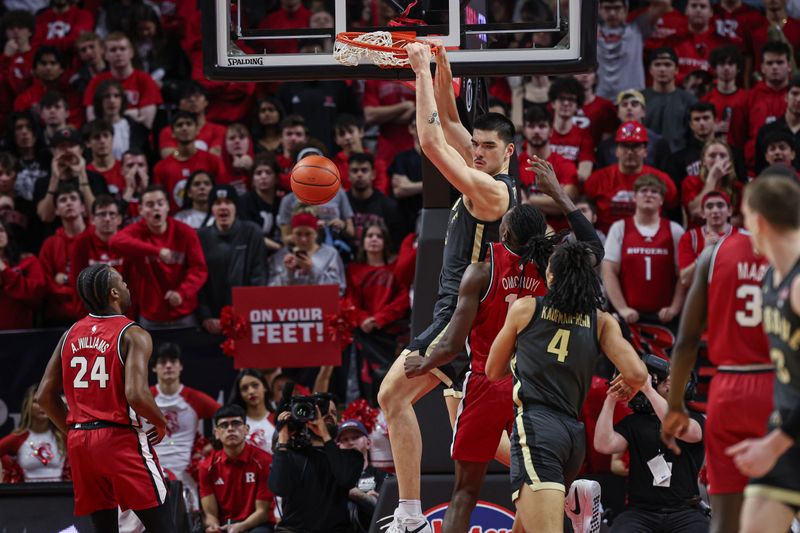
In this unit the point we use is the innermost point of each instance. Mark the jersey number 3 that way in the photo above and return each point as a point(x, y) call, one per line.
point(98, 373)
point(559, 345)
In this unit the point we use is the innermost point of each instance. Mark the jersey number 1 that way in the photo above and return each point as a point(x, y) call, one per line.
point(559, 345)
point(98, 373)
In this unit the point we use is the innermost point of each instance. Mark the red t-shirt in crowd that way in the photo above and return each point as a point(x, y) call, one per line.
point(61, 302)
point(566, 172)
point(62, 29)
point(236, 483)
point(613, 192)
point(670, 24)
point(737, 25)
point(141, 247)
point(113, 176)
point(381, 176)
point(406, 264)
point(692, 244)
point(210, 136)
point(22, 287)
point(694, 49)
point(172, 173)
point(647, 267)
point(284, 20)
point(376, 292)
point(575, 145)
point(726, 105)
point(762, 105)
point(17, 70)
point(394, 138)
point(89, 249)
point(598, 117)
point(140, 89)
point(691, 186)
point(758, 37)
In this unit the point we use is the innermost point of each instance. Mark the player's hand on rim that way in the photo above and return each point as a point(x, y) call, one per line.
point(414, 366)
point(419, 56)
point(675, 425)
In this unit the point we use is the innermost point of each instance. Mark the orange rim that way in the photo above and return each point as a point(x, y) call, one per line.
point(399, 40)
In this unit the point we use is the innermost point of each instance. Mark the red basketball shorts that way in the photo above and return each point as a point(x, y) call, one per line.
point(484, 412)
point(114, 466)
point(739, 405)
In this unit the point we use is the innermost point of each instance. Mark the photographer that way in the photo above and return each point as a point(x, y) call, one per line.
point(662, 487)
point(310, 473)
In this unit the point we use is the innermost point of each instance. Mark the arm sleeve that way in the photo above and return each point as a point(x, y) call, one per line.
point(345, 464)
point(330, 273)
point(257, 259)
point(686, 253)
point(396, 308)
point(204, 405)
point(262, 490)
point(344, 205)
point(130, 242)
point(613, 247)
point(585, 232)
point(624, 428)
point(196, 269)
point(203, 475)
point(677, 235)
point(27, 286)
point(283, 477)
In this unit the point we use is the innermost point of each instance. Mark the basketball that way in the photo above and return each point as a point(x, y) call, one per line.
point(315, 180)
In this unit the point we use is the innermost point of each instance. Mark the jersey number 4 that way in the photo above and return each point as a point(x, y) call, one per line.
point(98, 373)
point(559, 345)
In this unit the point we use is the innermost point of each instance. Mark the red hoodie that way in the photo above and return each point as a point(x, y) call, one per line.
point(22, 288)
point(762, 105)
point(141, 247)
point(62, 29)
point(376, 292)
point(62, 303)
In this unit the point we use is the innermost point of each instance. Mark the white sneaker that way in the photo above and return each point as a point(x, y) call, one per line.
point(583, 506)
point(408, 524)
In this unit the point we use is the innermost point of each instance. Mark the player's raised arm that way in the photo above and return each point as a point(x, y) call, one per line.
point(49, 393)
point(455, 133)
point(489, 197)
point(620, 352)
point(519, 315)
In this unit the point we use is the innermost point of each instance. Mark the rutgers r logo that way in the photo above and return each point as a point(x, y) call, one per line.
point(486, 518)
point(249, 477)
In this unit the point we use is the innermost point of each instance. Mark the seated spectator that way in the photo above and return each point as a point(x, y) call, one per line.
point(364, 496)
point(195, 200)
point(234, 250)
point(406, 174)
point(390, 106)
point(726, 96)
point(110, 103)
point(641, 257)
point(789, 122)
point(612, 187)
point(142, 92)
point(68, 166)
point(735, 20)
point(260, 203)
point(172, 171)
point(22, 283)
point(251, 392)
point(53, 113)
point(717, 173)
point(306, 262)
point(666, 103)
point(158, 57)
point(779, 149)
point(294, 135)
point(589, 209)
point(25, 141)
point(289, 14)
point(168, 260)
point(369, 204)
point(778, 27)
point(61, 24)
point(631, 107)
point(566, 138)
point(349, 136)
point(694, 46)
point(238, 156)
point(210, 136)
point(381, 301)
point(598, 114)
point(37, 444)
point(49, 67)
point(537, 131)
point(17, 212)
point(91, 246)
point(137, 179)
point(686, 162)
point(266, 126)
point(184, 408)
point(243, 498)
point(62, 305)
point(99, 136)
point(91, 52)
point(16, 62)
point(716, 213)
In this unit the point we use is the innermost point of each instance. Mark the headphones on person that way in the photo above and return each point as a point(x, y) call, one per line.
point(658, 369)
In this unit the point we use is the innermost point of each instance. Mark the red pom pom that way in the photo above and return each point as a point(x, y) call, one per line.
point(363, 412)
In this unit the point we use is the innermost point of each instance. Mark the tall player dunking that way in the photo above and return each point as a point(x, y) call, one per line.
point(487, 193)
point(772, 496)
point(101, 365)
point(725, 295)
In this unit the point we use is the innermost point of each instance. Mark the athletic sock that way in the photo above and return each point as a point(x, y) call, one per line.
point(410, 507)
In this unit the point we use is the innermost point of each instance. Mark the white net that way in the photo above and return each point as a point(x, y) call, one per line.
point(350, 55)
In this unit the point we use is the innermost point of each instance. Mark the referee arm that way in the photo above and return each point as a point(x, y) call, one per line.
point(49, 393)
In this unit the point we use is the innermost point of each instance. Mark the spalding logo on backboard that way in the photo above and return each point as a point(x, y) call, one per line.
point(486, 518)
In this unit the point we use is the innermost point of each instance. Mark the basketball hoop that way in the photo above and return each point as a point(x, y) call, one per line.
point(385, 49)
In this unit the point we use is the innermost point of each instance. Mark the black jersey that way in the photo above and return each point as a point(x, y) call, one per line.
point(554, 359)
point(466, 240)
point(782, 325)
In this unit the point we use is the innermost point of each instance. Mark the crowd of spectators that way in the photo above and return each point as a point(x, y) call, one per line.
point(115, 148)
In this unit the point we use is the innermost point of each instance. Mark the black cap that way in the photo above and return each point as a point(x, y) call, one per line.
point(663, 53)
point(223, 191)
point(191, 88)
point(70, 135)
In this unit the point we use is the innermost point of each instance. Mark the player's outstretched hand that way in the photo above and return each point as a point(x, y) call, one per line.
point(676, 423)
point(620, 390)
point(419, 57)
point(546, 179)
point(156, 434)
point(414, 366)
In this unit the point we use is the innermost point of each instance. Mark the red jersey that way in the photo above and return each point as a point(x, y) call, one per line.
point(394, 138)
point(598, 117)
point(647, 267)
point(381, 182)
point(692, 244)
point(566, 172)
point(93, 371)
point(693, 50)
point(140, 89)
point(726, 106)
point(735, 333)
point(736, 26)
point(62, 29)
point(172, 173)
point(575, 145)
point(613, 192)
point(693, 186)
point(504, 288)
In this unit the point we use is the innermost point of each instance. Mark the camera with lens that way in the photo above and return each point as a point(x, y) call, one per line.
point(303, 410)
point(658, 369)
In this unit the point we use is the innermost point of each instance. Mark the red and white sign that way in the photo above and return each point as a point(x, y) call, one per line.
point(287, 326)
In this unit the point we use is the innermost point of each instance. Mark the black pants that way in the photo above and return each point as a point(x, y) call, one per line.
point(634, 520)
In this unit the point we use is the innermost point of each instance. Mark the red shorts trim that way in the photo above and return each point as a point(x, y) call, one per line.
point(485, 411)
point(739, 406)
point(113, 467)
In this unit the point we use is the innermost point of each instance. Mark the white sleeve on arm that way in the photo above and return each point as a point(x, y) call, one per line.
point(677, 233)
point(613, 246)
